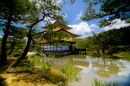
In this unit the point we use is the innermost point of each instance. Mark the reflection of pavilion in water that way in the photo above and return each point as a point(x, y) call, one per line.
point(79, 59)
point(78, 62)
point(102, 67)
point(56, 61)
point(64, 61)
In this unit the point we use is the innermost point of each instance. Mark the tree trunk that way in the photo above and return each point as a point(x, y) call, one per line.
point(12, 46)
point(103, 51)
point(98, 52)
point(3, 58)
point(16, 62)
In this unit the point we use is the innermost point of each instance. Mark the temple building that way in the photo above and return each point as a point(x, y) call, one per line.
point(66, 45)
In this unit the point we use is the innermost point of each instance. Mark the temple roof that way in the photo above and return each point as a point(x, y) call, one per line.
point(64, 31)
point(57, 26)
point(70, 37)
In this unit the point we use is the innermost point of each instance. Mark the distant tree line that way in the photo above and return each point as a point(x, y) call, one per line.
point(107, 42)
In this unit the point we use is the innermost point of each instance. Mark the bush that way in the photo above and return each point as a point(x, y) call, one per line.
point(34, 58)
point(27, 67)
point(54, 55)
point(69, 73)
point(51, 55)
point(105, 56)
point(125, 55)
point(58, 55)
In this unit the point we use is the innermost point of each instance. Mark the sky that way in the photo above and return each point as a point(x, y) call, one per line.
point(73, 12)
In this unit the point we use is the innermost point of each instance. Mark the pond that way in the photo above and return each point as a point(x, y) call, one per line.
point(106, 70)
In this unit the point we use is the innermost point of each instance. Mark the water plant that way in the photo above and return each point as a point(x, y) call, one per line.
point(97, 82)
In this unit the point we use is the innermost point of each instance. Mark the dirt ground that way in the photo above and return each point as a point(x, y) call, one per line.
point(23, 79)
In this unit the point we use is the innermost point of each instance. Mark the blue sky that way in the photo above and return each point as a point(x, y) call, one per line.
point(73, 12)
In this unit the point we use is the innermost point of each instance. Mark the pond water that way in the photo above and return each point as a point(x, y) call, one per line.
point(106, 70)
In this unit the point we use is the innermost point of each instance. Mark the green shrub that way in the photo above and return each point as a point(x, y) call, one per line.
point(34, 58)
point(27, 67)
point(125, 55)
point(45, 69)
point(54, 55)
point(46, 65)
point(69, 73)
point(51, 55)
point(105, 56)
point(58, 55)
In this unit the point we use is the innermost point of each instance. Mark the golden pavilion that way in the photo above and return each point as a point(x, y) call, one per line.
point(63, 48)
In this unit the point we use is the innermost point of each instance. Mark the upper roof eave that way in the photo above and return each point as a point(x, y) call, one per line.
point(69, 32)
point(57, 24)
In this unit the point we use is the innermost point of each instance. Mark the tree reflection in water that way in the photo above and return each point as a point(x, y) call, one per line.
point(107, 67)
point(110, 70)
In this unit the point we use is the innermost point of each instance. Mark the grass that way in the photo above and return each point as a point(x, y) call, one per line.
point(5, 67)
point(26, 79)
point(22, 78)
point(125, 55)
point(97, 82)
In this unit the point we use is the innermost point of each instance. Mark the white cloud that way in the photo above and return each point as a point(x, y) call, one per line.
point(80, 29)
point(1, 36)
point(125, 70)
point(65, 15)
point(94, 26)
point(48, 20)
point(117, 25)
point(79, 15)
point(57, 2)
point(41, 3)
